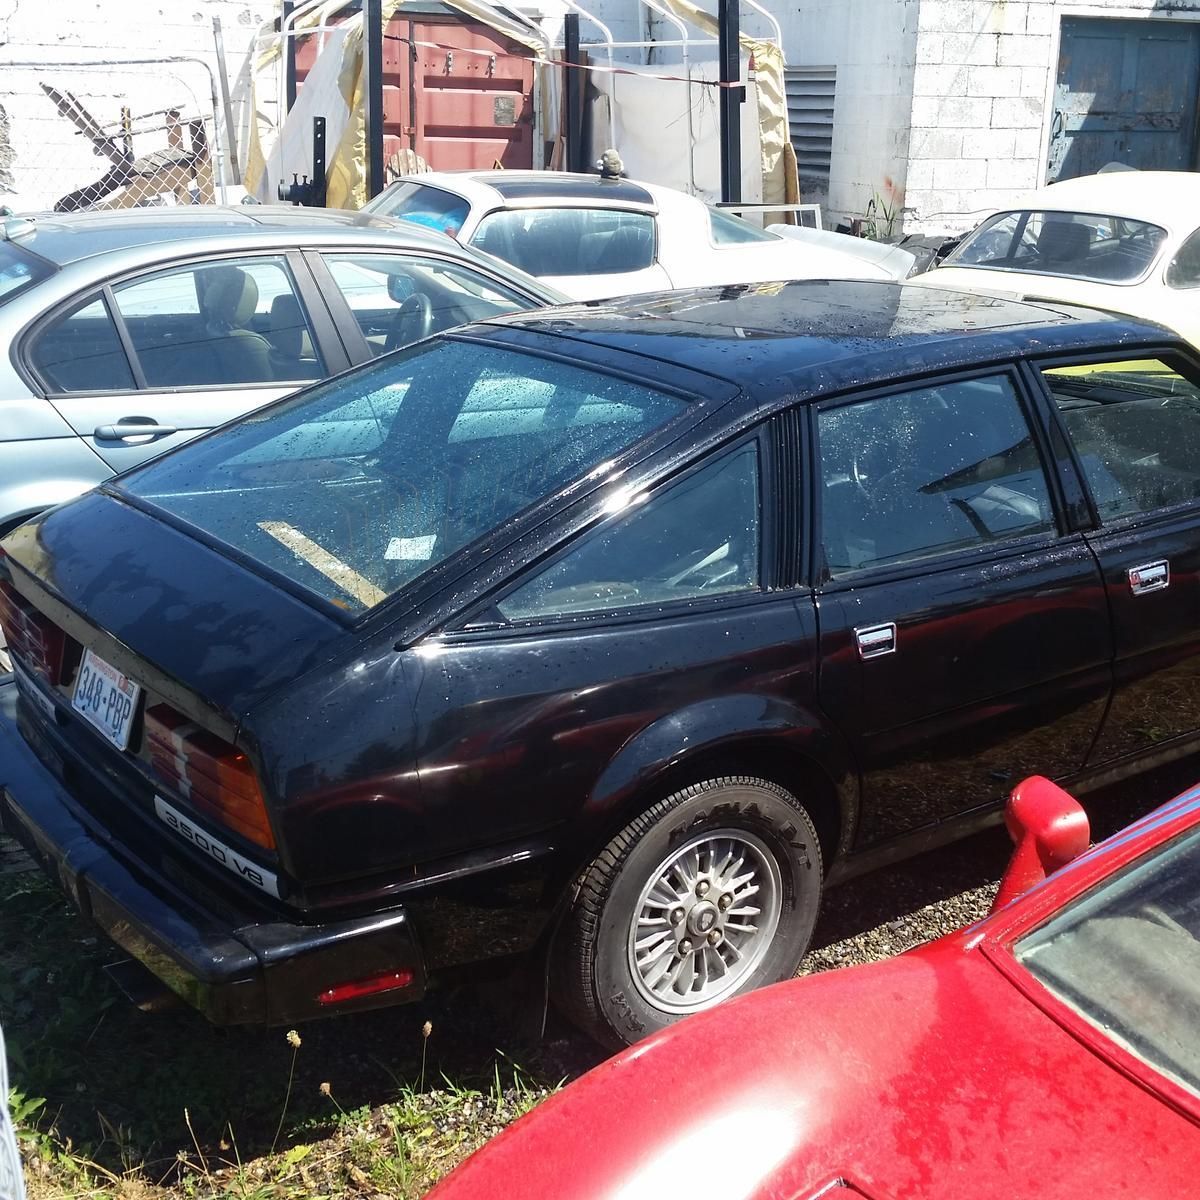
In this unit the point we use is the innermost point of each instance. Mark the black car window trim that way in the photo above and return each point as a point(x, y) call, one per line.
point(1066, 479)
point(23, 359)
point(342, 315)
point(1175, 357)
point(483, 618)
point(1030, 410)
point(789, 438)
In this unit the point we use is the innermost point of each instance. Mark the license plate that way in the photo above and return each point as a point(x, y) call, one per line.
point(106, 699)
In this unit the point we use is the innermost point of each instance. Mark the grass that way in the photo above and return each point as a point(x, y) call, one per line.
point(114, 1103)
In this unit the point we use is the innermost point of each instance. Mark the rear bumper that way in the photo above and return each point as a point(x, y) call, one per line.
point(235, 968)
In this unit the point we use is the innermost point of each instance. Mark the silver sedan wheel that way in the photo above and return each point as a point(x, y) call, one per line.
point(704, 920)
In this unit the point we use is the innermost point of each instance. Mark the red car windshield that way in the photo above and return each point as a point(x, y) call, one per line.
point(1126, 957)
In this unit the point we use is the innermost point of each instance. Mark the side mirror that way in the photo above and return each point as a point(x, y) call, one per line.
point(1049, 829)
point(399, 287)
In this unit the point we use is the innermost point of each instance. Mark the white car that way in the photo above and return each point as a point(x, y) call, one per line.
point(1122, 240)
point(594, 238)
point(12, 1185)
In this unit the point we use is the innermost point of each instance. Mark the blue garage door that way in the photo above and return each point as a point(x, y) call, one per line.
point(1126, 93)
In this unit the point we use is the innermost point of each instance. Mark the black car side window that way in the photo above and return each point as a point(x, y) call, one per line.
point(1136, 429)
point(81, 352)
point(699, 537)
point(921, 472)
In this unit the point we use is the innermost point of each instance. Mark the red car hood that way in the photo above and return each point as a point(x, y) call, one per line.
point(929, 1076)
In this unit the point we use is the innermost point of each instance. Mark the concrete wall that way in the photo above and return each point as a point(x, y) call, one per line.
point(42, 157)
point(872, 43)
point(983, 99)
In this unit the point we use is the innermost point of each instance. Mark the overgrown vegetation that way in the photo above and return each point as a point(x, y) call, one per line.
point(112, 1102)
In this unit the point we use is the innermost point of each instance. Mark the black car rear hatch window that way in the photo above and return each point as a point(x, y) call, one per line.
point(357, 487)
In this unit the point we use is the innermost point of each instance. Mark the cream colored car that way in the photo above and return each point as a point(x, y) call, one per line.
point(1123, 240)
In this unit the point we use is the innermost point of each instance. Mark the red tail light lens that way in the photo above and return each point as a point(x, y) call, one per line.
point(34, 639)
point(372, 985)
point(213, 775)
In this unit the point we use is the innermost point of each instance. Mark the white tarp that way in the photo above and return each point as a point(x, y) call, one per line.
point(652, 134)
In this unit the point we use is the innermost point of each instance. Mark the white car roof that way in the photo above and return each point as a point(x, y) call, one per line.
point(1167, 198)
point(541, 189)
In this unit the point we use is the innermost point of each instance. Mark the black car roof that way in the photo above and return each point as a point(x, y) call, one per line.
point(822, 335)
point(527, 185)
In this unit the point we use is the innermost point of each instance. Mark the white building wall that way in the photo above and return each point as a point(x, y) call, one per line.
point(872, 43)
point(42, 157)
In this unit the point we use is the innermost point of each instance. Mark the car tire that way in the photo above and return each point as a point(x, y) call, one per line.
point(754, 846)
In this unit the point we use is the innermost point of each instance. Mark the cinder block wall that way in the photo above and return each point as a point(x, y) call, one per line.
point(980, 89)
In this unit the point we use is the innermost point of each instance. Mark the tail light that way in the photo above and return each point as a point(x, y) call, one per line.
point(35, 640)
point(214, 776)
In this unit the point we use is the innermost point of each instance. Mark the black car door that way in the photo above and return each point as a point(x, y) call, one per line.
point(964, 636)
point(1135, 428)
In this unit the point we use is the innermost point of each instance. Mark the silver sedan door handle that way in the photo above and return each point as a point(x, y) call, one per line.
point(132, 427)
point(874, 641)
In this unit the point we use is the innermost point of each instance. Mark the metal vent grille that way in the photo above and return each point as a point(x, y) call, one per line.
point(810, 93)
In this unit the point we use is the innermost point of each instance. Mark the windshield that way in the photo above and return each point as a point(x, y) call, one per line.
point(356, 487)
point(423, 205)
point(731, 231)
point(19, 270)
point(1127, 959)
point(1073, 245)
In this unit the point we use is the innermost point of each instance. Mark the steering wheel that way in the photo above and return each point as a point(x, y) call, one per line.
point(412, 322)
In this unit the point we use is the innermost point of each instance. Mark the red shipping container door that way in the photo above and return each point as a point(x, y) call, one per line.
point(456, 92)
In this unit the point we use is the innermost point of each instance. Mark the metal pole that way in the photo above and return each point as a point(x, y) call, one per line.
point(232, 169)
point(373, 32)
point(574, 156)
point(289, 53)
point(732, 94)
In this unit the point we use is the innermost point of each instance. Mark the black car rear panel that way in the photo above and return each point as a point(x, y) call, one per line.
point(211, 659)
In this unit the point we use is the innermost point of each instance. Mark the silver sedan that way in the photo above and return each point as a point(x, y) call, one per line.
point(130, 332)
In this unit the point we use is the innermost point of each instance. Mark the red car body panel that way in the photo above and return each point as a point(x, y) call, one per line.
point(949, 1073)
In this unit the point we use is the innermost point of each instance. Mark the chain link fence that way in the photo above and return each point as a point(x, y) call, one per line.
point(112, 134)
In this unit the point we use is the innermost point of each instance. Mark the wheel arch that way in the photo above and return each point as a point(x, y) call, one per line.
point(764, 737)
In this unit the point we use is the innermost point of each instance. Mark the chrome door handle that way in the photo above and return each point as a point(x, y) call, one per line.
point(874, 641)
point(132, 429)
point(1150, 577)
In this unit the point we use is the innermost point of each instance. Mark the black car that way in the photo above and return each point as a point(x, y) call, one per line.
point(611, 632)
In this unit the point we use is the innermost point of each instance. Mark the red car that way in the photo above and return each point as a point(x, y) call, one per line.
point(1052, 1050)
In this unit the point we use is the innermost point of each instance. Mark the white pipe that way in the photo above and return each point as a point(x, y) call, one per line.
point(778, 38)
point(660, 42)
